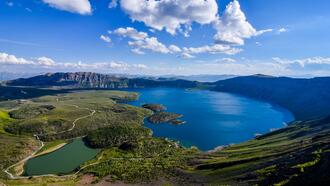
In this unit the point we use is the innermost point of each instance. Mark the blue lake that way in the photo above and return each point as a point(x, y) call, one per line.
point(212, 118)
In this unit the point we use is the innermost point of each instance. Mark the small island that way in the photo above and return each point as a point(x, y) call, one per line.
point(177, 122)
point(154, 107)
point(165, 117)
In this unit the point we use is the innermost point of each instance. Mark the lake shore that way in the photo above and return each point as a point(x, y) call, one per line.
point(49, 150)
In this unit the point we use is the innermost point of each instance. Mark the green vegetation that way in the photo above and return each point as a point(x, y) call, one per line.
point(123, 137)
point(154, 107)
point(163, 117)
point(30, 111)
point(14, 149)
point(44, 181)
point(4, 119)
point(305, 165)
point(292, 155)
point(151, 159)
point(52, 125)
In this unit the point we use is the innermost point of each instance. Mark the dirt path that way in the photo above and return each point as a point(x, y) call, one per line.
point(11, 176)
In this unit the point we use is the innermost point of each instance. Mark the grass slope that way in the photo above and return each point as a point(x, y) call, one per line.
point(297, 154)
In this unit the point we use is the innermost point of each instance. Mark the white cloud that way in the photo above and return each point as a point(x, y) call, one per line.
point(304, 62)
point(13, 60)
point(281, 30)
point(42, 63)
point(106, 39)
point(174, 48)
point(82, 7)
point(233, 28)
point(130, 32)
point(45, 61)
point(150, 43)
point(171, 15)
point(140, 41)
point(277, 66)
point(212, 49)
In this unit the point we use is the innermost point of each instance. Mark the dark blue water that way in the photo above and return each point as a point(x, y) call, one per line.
point(212, 118)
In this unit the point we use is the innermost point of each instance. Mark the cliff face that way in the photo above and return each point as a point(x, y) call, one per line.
point(95, 80)
point(77, 79)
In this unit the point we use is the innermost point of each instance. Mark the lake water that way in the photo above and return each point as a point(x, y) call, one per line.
point(61, 161)
point(212, 118)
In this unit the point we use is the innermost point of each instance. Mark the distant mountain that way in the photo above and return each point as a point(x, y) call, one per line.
point(95, 80)
point(306, 98)
point(4, 76)
point(202, 78)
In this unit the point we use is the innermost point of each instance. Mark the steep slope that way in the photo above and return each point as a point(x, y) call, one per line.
point(295, 155)
point(306, 98)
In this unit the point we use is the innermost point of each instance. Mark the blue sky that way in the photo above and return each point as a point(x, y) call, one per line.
point(282, 37)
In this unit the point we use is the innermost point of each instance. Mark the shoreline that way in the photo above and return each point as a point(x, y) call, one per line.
point(50, 150)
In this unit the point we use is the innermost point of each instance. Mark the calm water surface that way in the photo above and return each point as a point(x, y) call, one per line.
point(212, 118)
point(61, 161)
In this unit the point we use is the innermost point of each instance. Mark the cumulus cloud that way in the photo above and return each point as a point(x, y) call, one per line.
point(233, 28)
point(45, 61)
point(171, 15)
point(130, 32)
point(8, 59)
point(141, 41)
point(13, 60)
point(151, 43)
point(106, 39)
point(82, 7)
